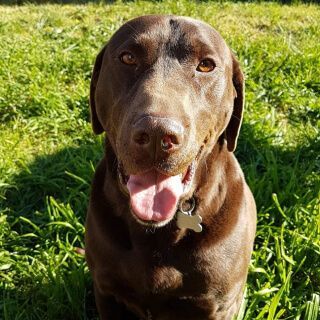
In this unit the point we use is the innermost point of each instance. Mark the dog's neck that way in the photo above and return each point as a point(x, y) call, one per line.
point(209, 191)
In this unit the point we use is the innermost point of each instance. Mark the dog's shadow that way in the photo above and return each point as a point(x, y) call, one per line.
point(46, 207)
point(65, 175)
point(61, 182)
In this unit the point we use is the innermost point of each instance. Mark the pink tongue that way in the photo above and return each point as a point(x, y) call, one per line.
point(154, 196)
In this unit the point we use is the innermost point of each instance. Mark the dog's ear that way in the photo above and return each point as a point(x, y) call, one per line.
point(233, 128)
point(96, 124)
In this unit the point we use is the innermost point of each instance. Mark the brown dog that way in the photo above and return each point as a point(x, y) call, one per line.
point(171, 220)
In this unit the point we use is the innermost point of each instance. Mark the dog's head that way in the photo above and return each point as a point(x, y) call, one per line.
point(164, 89)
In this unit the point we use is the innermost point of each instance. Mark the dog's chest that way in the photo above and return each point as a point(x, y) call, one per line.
point(156, 273)
point(155, 279)
point(153, 273)
point(163, 279)
point(161, 286)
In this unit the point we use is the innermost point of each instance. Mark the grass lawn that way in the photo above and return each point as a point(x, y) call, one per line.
point(48, 152)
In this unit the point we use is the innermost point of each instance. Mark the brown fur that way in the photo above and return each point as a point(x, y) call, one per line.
point(166, 273)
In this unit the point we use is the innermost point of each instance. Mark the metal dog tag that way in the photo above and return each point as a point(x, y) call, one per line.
point(185, 219)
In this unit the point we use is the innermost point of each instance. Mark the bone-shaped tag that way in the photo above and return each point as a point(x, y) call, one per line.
point(185, 220)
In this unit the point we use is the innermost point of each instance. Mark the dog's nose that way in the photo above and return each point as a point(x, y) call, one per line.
point(157, 135)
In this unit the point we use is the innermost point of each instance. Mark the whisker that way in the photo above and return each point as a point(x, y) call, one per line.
point(236, 117)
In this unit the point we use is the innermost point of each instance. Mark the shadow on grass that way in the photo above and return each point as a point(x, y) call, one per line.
point(55, 299)
point(66, 176)
point(52, 280)
point(276, 169)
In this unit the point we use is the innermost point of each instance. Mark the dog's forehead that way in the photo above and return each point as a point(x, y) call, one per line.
point(185, 32)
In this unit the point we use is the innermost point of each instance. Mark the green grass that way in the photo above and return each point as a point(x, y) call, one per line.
point(48, 153)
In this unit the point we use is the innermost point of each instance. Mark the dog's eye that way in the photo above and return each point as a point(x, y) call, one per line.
point(206, 65)
point(127, 58)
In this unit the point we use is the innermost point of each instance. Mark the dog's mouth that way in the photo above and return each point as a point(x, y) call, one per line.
point(154, 196)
